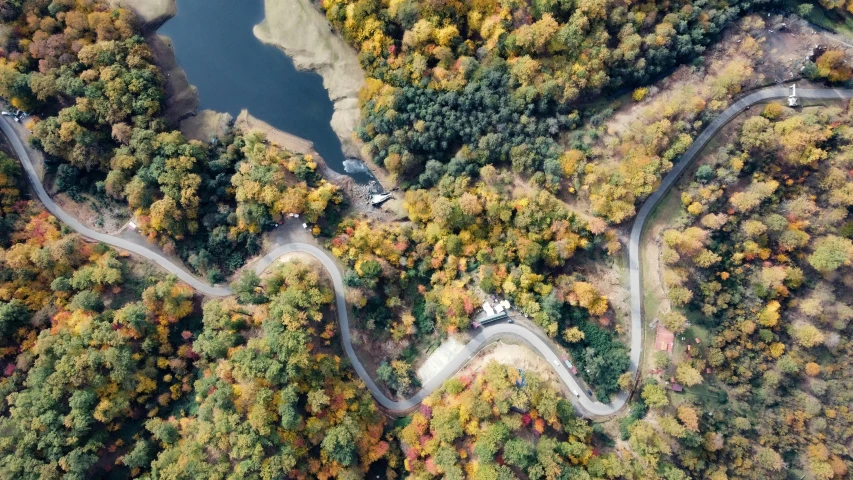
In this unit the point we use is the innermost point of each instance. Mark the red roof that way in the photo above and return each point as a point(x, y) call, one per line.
point(663, 338)
point(676, 387)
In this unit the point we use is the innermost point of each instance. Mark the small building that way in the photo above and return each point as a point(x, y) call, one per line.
point(488, 309)
point(677, 388)
point(663, 339)
point(492, 318)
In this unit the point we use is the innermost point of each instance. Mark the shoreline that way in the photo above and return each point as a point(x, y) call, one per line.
point(300, 31)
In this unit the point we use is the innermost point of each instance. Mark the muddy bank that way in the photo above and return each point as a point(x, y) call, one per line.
point(206, 125)
point(181, 106)
point(299, 29)
point(181, 96)
point(233, 74)
point(247, 123)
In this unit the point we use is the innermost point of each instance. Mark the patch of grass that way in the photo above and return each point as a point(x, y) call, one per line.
point(710, 393)
point(401, 422)
point(834, 20)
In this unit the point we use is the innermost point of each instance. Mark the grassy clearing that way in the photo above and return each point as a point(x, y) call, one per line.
point(837, 21)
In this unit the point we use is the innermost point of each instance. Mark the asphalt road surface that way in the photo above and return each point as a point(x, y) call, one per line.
point(486, 334)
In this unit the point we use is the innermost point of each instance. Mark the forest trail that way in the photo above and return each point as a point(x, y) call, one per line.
point(486, 335)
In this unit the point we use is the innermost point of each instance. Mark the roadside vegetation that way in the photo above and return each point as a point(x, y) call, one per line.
point(455, 86)
point(89, 77)
point(466, 239)
point(504, 424)
point(763, 263)
point(483, 112)
point(88, 347)
point(109, 369)
point(271, 398)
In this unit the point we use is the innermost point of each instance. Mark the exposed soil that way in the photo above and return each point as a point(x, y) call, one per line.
point(92, 213)
point(517, 356)
point(206, 125)
point(181, 97)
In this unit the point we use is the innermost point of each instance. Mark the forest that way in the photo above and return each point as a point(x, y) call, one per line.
point(470, 238)
point(762, 259)
point(511, 423)
point(493, 82)
point(97, 98)
point(111, 372)
point(487, 114)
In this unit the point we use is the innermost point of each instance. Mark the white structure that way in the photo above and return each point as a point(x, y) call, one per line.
point(488, 309)
point(793, 101)
point(379, 198)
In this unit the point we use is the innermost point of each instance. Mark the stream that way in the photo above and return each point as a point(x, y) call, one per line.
point(233, 70)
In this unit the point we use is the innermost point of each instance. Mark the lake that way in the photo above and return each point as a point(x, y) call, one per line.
point(233, 70)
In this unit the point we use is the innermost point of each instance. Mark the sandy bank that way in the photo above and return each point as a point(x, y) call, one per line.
point(299, 29)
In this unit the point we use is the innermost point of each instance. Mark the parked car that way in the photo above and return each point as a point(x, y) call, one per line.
point(570, 366)
point(576, 393)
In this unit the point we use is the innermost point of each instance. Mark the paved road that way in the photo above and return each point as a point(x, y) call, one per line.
point(485, 335)
point(669, 180)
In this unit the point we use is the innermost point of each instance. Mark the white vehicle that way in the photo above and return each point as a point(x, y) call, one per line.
point(576, 393)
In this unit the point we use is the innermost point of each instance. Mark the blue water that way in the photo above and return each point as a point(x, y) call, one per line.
point(233, 70)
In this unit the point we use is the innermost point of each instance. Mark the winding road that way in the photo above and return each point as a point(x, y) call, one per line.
point(485, 335)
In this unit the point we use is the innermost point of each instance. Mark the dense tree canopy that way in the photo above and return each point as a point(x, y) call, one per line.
point(83, 68)
point(272, 400)
point(505, 424)
point(491, 81)
point(765, 257)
